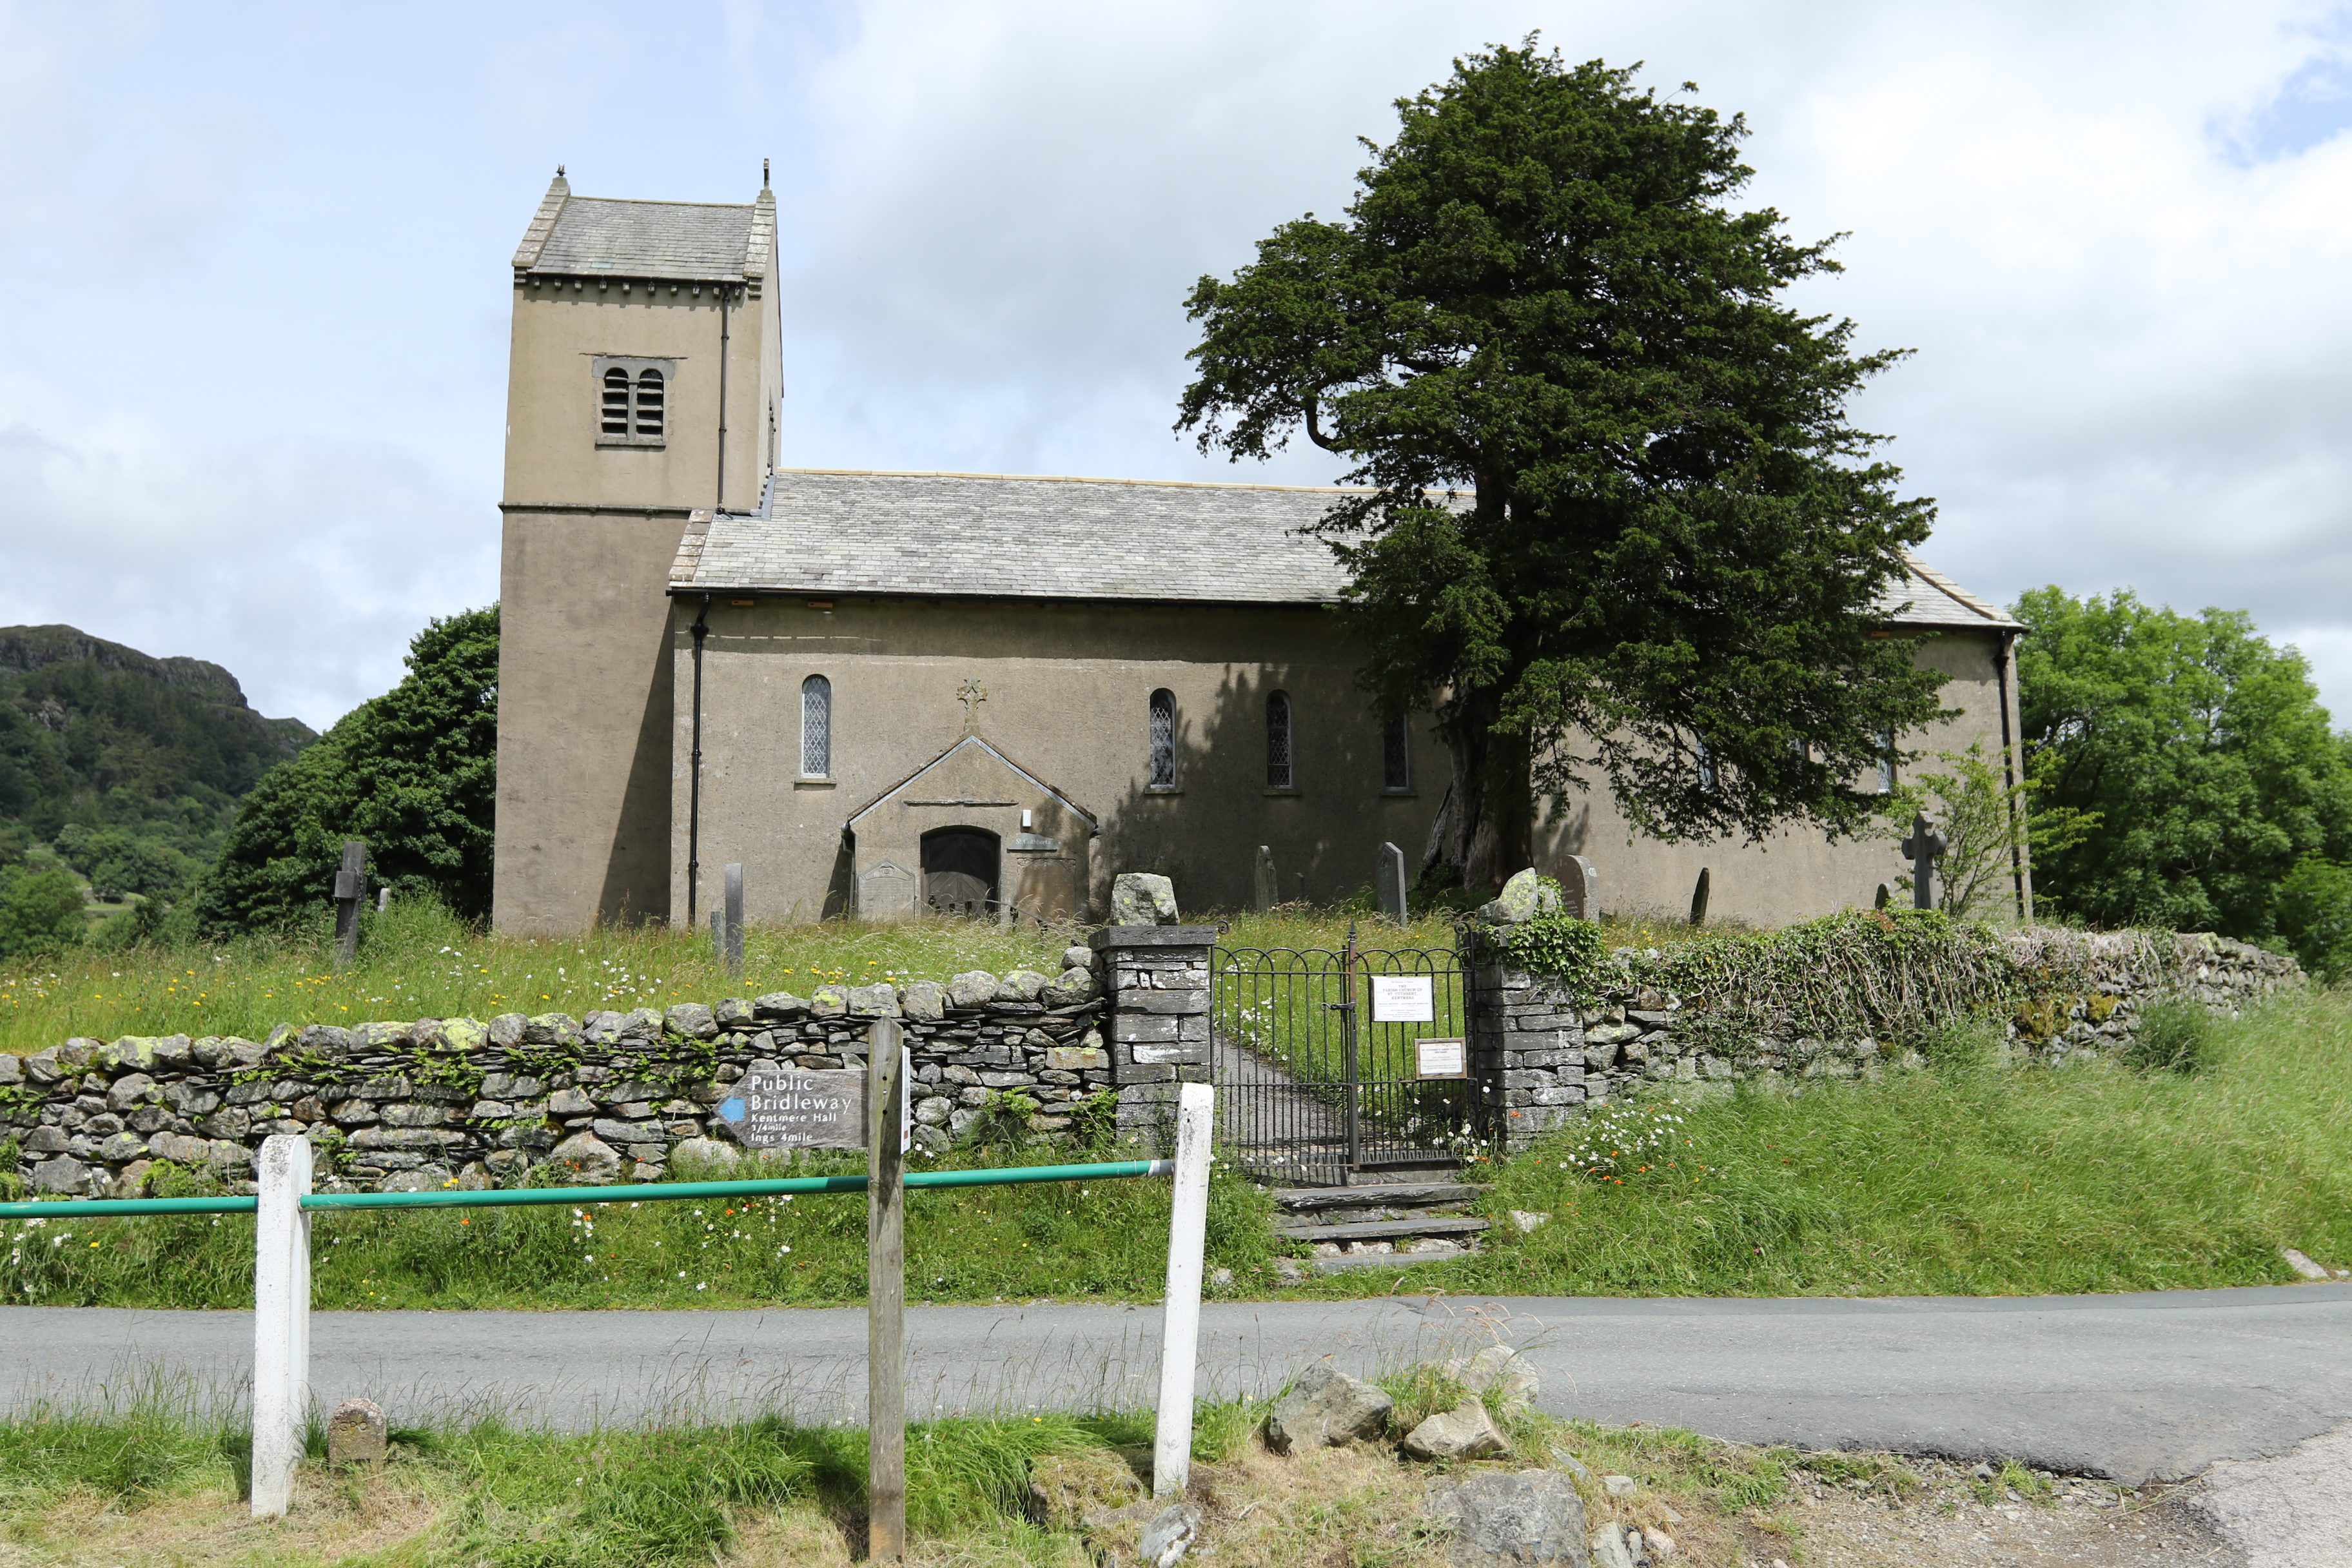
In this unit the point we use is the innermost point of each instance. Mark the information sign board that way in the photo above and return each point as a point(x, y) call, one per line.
point(1403, 999)
point(797, 1108)
point(1440, 1058)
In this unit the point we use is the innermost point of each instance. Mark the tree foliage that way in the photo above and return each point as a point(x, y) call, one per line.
point(413, 773)
point(1992, 826)
point(40, 912)
point(1615, 519)
point(2203, 748)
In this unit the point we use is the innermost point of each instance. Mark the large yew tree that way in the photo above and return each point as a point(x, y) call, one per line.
point(1615, 522)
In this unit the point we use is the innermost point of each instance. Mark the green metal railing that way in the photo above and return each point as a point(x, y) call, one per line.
point(458, 1198)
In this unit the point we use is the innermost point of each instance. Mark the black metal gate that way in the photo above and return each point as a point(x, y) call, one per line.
point(1332, 1064)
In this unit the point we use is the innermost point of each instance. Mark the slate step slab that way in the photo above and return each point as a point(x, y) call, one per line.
point(1387, 1194)
point(1387, 1229)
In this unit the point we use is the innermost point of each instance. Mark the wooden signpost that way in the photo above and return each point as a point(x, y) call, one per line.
point(885, 1299)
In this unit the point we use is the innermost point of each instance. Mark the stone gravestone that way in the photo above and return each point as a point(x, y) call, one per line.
point(776, 1107)
point(1580, 886)
point(356, 1433)
point(1922, 847)
point(1269, 884)
point(885, 892)
point(1388, 879)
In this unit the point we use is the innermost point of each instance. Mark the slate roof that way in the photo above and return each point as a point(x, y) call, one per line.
point(950, 535)
point(598, 236)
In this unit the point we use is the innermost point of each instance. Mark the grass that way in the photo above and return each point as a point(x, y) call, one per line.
point(1973, 1177)
point(1063, 1241)
point(161, 1478)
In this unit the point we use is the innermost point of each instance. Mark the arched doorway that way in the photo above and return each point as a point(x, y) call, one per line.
point(959, 871)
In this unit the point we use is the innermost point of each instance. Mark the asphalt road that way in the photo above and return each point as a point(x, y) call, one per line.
point(2133, 1387)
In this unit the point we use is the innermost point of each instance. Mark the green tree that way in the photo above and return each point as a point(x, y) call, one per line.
point(2315, 916)
point(1660, 542)
point(2203, 748)
point(40, 913)
point(1991, 825)
point(413, 773)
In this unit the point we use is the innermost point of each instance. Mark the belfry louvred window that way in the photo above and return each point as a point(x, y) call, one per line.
point(1396, 754)
point(616, 402)
point(649, 403)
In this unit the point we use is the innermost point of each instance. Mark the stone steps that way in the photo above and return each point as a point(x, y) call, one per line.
point(1376, 1224)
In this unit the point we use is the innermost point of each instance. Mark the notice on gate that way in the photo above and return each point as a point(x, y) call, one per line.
point(1403, 999)
point(797, 1108)
point(1440, 1058)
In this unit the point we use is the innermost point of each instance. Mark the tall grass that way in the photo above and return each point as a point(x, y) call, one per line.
point(1097, 1240)
point(1975, 1177)
point(415, 961)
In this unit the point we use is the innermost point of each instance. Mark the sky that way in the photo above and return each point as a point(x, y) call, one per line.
point(252, 361)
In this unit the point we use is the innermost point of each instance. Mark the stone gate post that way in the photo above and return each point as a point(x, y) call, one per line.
point(1527, 1043)
point(1156, 985)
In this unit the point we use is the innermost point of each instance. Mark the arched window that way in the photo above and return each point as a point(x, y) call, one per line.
point(1887, 761)
point(816, 727)
point(1163, 740)
point(616, 402)
point(1277, 741)
point(649, 402)
point(1396, 754)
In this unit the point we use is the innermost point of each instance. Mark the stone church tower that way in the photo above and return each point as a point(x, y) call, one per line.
point(644, 388)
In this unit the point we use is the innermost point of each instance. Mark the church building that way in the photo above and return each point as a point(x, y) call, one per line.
point(884, 694)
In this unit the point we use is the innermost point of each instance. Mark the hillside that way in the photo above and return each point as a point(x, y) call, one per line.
point(130, 765)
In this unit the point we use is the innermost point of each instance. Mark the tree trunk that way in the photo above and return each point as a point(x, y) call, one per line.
point(1486, 827)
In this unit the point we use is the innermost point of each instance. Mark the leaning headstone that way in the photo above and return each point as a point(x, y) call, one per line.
point(355, 1433)
point(1580, 887)
point(1532, 1520)
point(1698, 898)
point(1142, 898)
point(1388, 876)
point(1269, 884)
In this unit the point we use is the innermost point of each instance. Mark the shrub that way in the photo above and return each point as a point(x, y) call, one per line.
point(40, 913)
point(2315, 916)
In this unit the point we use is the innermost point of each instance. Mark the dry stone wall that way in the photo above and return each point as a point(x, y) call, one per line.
point(1543, 1054)
point(613, 1095)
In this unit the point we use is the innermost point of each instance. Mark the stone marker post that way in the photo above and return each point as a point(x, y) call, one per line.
point(1388, 879)
point(1269, 884)
point(1922, 847)
point(351, 887)
point(356, 1433)
point(732, 957)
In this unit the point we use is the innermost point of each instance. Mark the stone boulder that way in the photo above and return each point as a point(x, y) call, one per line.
point(735, 1013)
point(1142, 898)
point(1074, 985)
point(1500, 1367)
point(972, 988)
point(64, 1174)
point(596, 1160)
point(1067, 1491)
point(1077, 957)
point(828, 1001)
point(693, 1020)
point(707, 1151)
point(129, 1091)
point(924, 1001)
point(1532, 1520)
point(462, 1035)
point(1021, 985)
point(1523, 898)
point(1169, 1536)
point(880, 1000)
point(505, 1030)
point(1464, 1432)
point(1326, 1409)
point(780, 1005)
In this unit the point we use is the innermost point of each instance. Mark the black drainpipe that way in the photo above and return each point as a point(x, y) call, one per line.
point(701, 629)
point(2009, 773)
point(720, 503)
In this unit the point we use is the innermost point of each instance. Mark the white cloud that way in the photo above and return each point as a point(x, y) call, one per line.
point(2115, 235)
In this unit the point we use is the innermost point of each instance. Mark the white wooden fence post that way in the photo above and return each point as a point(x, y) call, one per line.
point(1179, 1325)
point(282, 1321)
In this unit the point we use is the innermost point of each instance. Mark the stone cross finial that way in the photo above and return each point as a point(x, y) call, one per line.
point(1922, 847)
point(972, 694)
